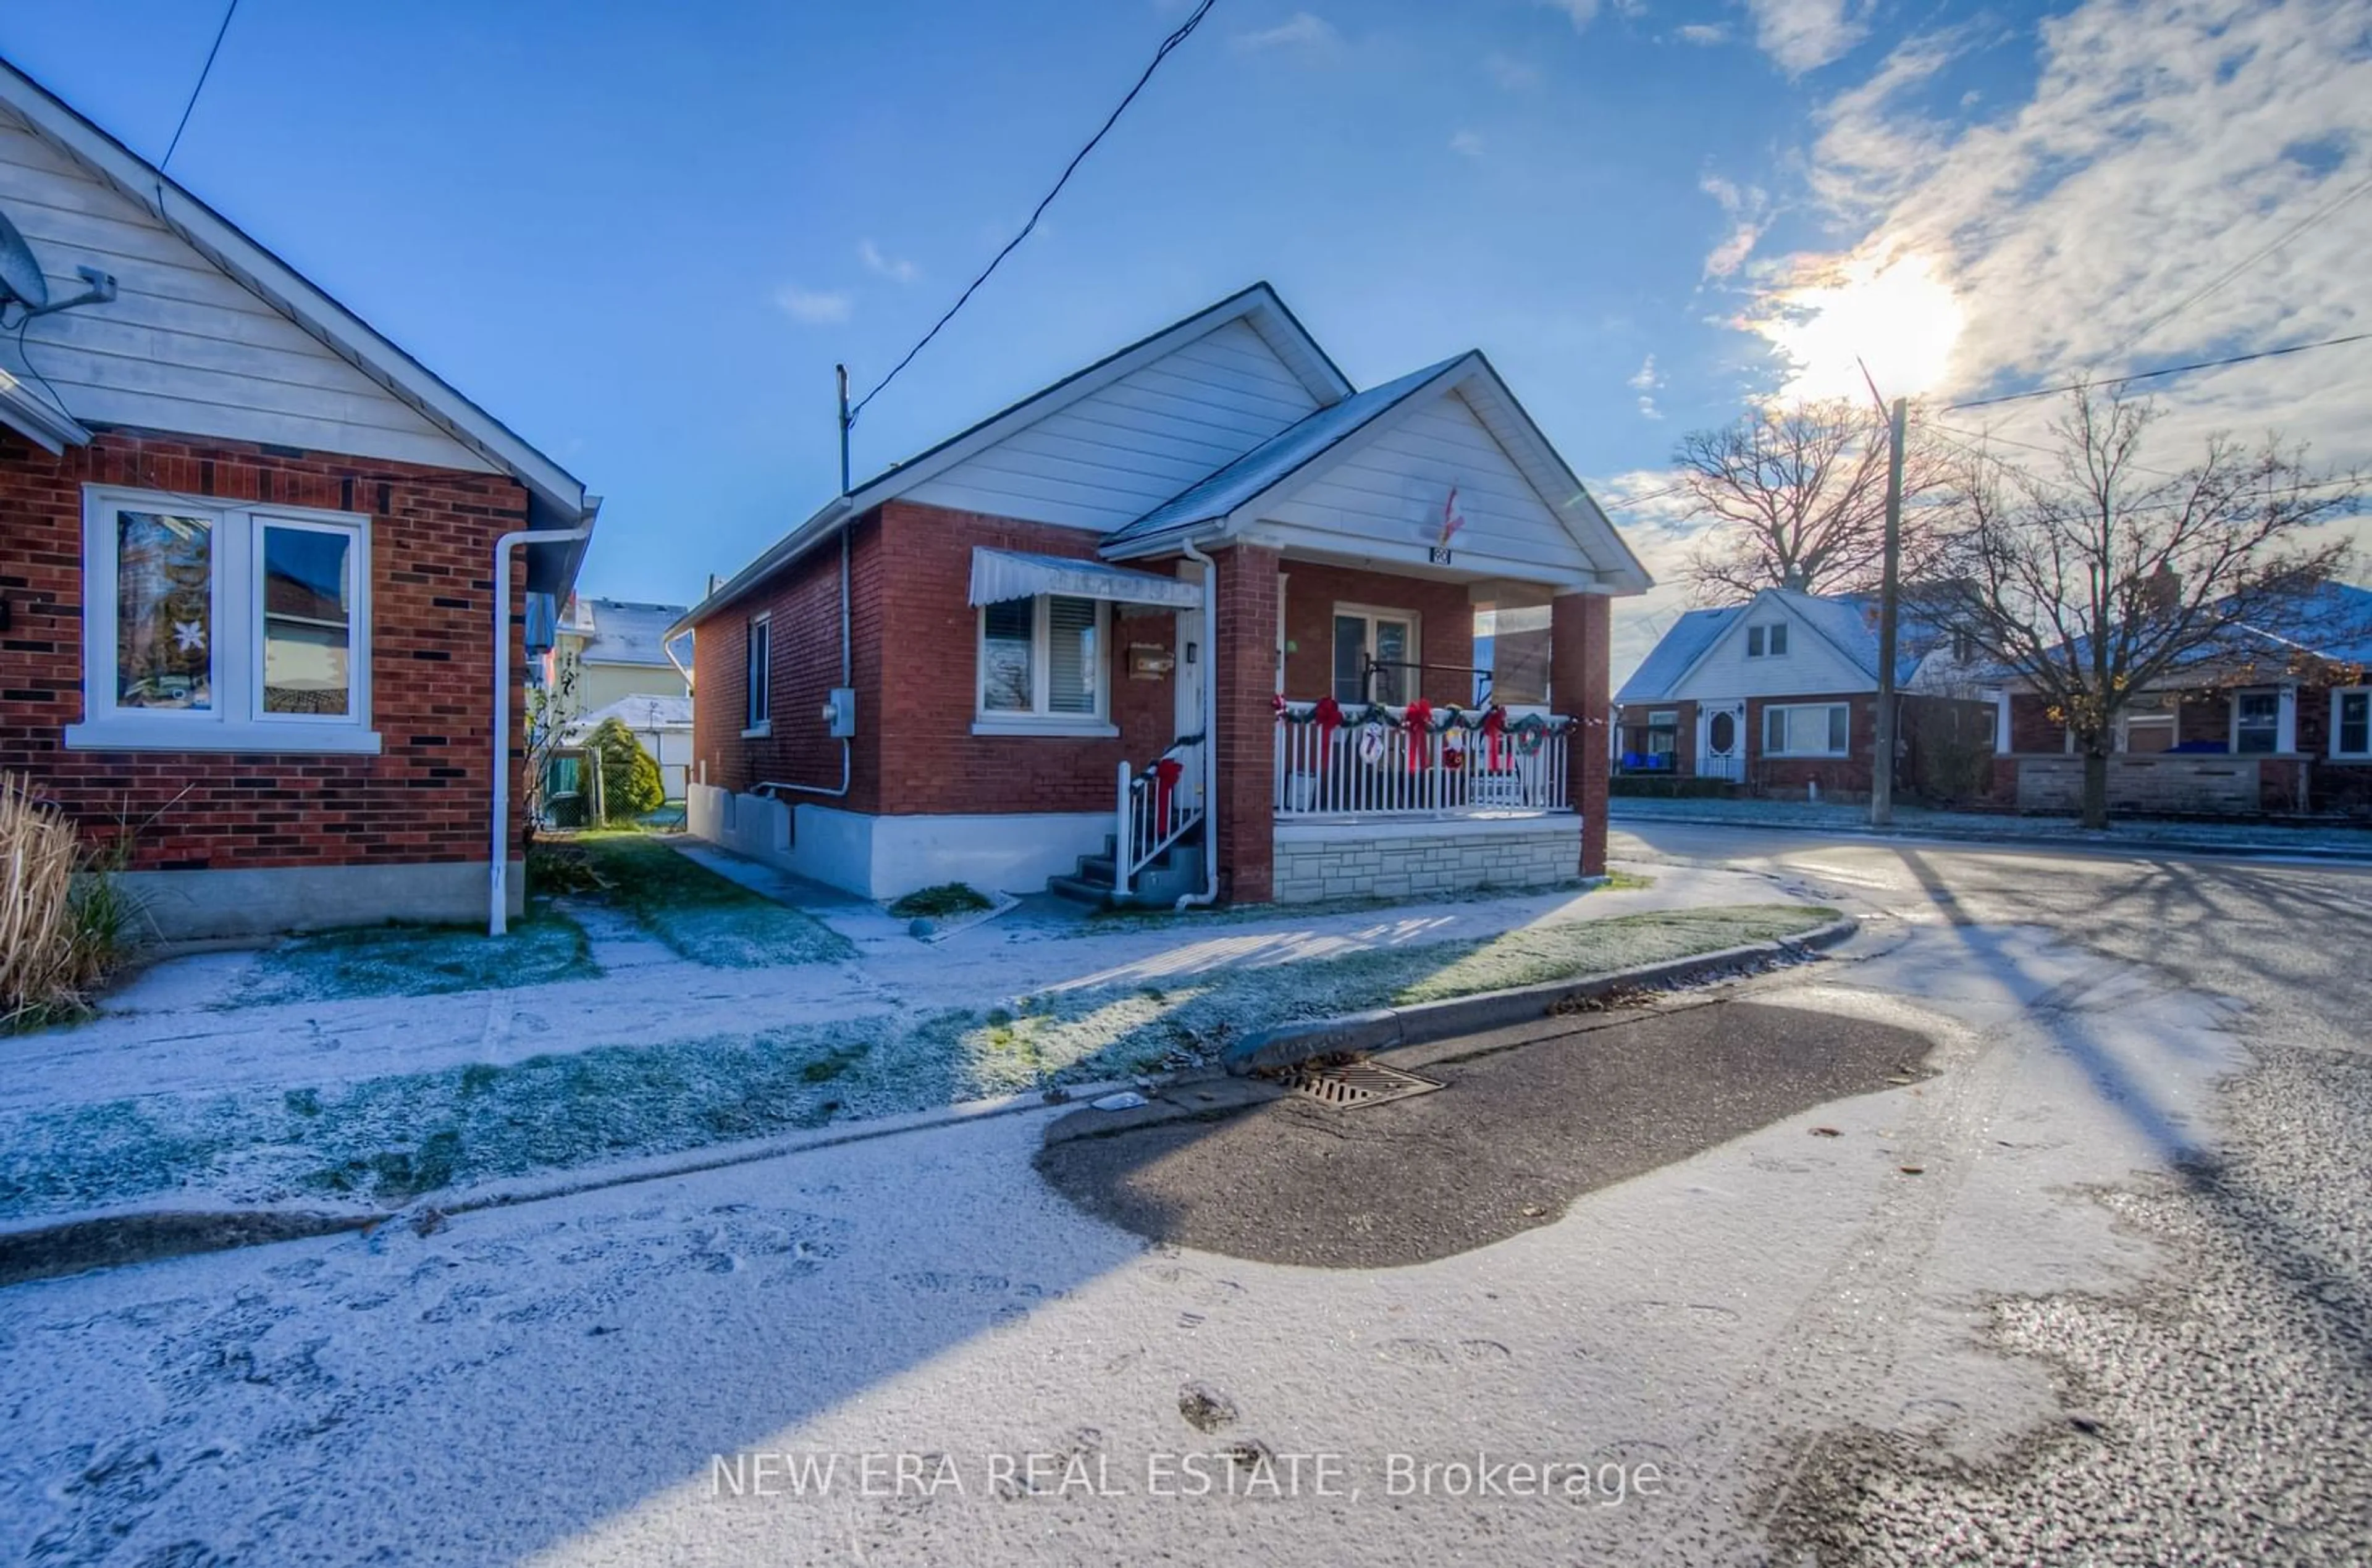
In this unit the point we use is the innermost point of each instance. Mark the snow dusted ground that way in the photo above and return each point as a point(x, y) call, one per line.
point(181, 1096)
point(553, 1384)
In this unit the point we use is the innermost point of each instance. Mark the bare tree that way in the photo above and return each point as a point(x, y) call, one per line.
point(1796, 498)
point(2089, 578)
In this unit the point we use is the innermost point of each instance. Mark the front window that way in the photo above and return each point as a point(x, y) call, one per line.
point(1375, 656)
point(2351, 723)
point(224, 628)
point(1043, 658)
point(2256, 722)
point(1820, 729)
point(758, 707)
point(1766, 642)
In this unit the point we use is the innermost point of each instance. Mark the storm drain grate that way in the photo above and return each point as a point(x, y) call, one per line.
point(1351, 1085)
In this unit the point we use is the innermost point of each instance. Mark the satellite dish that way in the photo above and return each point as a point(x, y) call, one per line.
point(22, 284)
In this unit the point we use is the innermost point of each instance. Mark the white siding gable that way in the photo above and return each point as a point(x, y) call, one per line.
point(184, 347)
point(1384, 498)
point(1811, 668)
point(1119, 452)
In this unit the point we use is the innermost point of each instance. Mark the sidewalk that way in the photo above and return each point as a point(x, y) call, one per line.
point(2237, 838)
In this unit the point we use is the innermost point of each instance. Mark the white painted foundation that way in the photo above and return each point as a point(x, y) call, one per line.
point(885, 857)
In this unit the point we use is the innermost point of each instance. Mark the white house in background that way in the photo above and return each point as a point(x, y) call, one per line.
point(663, 725)
point(618, 648)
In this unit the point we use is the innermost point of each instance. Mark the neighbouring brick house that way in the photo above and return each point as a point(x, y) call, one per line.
point(247, 564)
point(1201, 606)
point(1779, 696)
point(2276, 718)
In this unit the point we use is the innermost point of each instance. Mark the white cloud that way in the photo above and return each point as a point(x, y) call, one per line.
point(1644, 381)
point(1582, 12)
point(1747, 208)
point(816, 308)
point(897, 269)
point(1301, 30)
point(1804, 35)
point(1515, 76)
point(2162, 147)
point(1468, 144)
point(1704, 34)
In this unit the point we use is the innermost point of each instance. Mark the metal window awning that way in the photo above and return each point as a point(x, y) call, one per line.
point(1000, 574)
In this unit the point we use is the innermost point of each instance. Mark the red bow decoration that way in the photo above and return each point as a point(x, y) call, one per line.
point(1494, 734)
point(1420, 727)
point(1329, 715)
point(1166, 774)
point(1277, 703)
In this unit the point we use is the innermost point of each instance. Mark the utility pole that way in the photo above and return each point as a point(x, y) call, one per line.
point(1881, 773)
point(841, 372)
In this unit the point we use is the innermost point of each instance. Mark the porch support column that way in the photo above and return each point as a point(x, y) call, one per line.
point(1243, 676)
point(2000, 722)
point(2285, 723)
point(1580, 631)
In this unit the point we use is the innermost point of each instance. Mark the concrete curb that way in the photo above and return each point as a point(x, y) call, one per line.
point(2109, 842)
point(1387, 1028)
point(56, 1244)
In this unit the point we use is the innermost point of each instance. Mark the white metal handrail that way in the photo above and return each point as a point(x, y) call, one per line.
point(1361, 769)
point(1154, 814)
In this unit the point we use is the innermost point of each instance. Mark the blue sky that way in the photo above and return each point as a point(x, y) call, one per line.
point(643, 237)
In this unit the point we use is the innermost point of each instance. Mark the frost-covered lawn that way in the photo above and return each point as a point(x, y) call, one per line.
point(702, 916)
point(383, 1140)
point(1104, 922)
point(416, 961)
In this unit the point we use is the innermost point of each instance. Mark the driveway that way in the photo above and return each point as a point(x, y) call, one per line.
point(2120, 1315)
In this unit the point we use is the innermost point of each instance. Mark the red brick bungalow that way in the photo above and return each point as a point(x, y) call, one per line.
point(249, 553)
point(1195, 621)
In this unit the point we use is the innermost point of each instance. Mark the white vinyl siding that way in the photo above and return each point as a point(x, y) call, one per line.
point(1117, 453)
point(1391, 488)
point(1809, 730)
point(183, 347)
point(1813, 667)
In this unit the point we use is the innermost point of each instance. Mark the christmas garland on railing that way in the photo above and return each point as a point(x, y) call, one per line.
point(1421, 720)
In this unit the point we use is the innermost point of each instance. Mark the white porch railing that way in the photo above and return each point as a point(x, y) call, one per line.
point(1350, 771)
point(1157, 807)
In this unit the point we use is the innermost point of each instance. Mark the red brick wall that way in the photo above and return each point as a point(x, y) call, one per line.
point(916, 640)
point(1444, 627)
point(425, 798)
point(1245, 700)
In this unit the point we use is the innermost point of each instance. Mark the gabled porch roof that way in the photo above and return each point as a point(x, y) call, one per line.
point(1264, 493)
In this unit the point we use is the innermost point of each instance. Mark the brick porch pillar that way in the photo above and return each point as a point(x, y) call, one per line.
point(1579, 665)
point(1244, 676)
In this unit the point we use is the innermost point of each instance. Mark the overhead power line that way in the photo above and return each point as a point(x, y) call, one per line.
point(2188, 301)
point(1184, 30)
point(2154, 375)
point(204, 72)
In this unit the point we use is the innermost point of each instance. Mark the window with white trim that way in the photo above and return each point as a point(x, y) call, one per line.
point(208, 627)
point(2351, 721)
point(1383, 642)
point(758, 696)
point(2257, 723)
point(1767, 642)
point(1041, 662)
point(1806, 729)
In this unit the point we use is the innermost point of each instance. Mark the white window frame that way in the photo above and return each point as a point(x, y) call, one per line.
point(236, 721)
point(758, 677)
point(2232, 736)
point(1767, 639)
point(1041, 720)
point(2337, 693)
point(1770, 708)
point(1371, 613)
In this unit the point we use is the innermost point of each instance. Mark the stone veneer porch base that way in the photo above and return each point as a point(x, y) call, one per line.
point(1404, 857)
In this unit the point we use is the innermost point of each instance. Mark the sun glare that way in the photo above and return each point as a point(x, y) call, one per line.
point(1891, 312)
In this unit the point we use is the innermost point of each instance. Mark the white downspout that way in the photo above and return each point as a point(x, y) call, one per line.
point(1210, 893)
point(498, 904)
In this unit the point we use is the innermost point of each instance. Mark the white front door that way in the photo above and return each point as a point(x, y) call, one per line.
point(1721, 741)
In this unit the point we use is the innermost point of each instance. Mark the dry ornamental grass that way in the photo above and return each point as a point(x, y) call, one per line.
point(62, 920)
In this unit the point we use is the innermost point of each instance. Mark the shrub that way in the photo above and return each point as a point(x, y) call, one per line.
point(947, 898)
point(630, 786)
point(64, 921)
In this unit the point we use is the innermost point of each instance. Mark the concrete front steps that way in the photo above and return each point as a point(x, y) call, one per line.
point(1159, 883)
